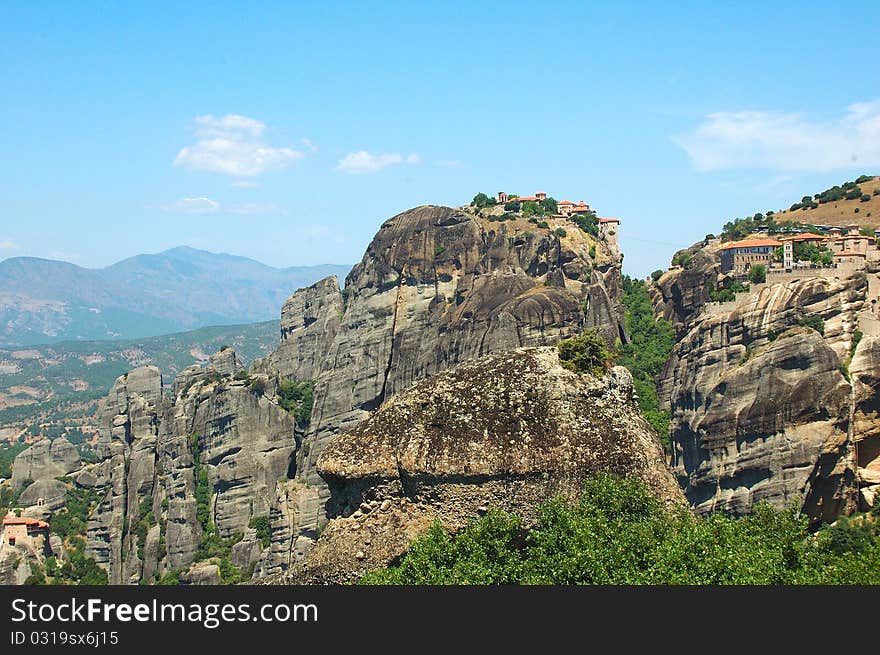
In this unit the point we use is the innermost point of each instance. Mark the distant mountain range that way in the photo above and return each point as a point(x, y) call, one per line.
point(45, 301)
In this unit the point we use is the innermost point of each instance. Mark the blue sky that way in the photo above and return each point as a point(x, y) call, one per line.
point(288, 132)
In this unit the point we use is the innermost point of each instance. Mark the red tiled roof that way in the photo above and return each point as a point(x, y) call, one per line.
point(564, 202)
point(526, 198)
point(752, 243)
point(21, 520)
point(581, 208)
point(849, 253)
point(804, 236)
point(609, 220)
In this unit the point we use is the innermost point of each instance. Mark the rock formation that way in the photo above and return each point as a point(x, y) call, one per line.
point(437, 286)
point(864, 369)
point(185, 469)
point(309, 322)
point(220, 425)
point(44, 460)
point(508, 430)
point(762, 405)
point(682, 292)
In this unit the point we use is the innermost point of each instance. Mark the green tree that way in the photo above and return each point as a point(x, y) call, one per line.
point(810, 252)
point(682, 258)
point(297, 398)
point(482, 200)
point(645, 354)
point(618, 533)
point(813, 322)
point(854, 194)
point(758, 274)
point(587, 353)
point(656, 275)
point(588, 222)
point(261, 525)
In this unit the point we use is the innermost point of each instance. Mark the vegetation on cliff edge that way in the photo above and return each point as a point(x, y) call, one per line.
point(618, 533)
point(587, 353)
point(645, 355)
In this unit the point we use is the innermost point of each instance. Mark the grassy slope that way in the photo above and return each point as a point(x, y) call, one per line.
point(841, 212)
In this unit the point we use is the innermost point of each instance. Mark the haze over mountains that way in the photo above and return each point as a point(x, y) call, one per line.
point(43, 301)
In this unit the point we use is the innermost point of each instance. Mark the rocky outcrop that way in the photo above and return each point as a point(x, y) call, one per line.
point(246, 444)
point(508, 430)
point(127, 473)
point(309, 321)
point(438, 286)
point(44, 459)
point(222, 428)
point(45, 495)
point(761, 406)
point(864, 369)
point(225, 362)
point(681, 293)
point(202, 574)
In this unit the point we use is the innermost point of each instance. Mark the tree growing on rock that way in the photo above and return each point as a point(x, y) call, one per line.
point(587, 353)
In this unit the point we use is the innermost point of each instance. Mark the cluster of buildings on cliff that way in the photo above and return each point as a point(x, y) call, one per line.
point(848, 247)
point(608, 227)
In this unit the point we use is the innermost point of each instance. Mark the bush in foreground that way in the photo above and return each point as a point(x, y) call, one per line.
point(618, 533)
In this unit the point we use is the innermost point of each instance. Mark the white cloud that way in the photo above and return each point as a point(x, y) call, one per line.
point(199, 205)
point(310, 145)
point(9, 244)
point(785, 141)
point(253, 208)
point(366, 162)
point(233, 145)
point(244, 184)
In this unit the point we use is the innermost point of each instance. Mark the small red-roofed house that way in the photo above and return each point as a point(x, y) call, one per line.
point(25, 531)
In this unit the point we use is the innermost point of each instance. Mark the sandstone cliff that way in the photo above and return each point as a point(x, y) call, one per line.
point(681, 293)
point(762, 405)
point(220, 427)
point(309, 321)
point(437, 286)
point(508, 430)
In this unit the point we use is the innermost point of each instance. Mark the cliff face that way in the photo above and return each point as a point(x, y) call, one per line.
point(216, 425)
point(507, 430)
point(44, 460)
point(309, 321)
point(681, 293)
point(438, 286)
point(763, 408)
